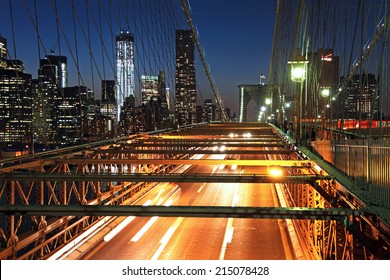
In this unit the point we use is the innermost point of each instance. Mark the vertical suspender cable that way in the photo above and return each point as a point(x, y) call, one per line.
point(218, 98)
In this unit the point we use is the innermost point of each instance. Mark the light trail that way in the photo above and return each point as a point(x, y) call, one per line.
point(229, 227)
point(167, 236)
point(144, 229)
point(118, 228)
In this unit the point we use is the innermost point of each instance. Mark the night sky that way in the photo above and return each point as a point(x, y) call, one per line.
point(236, 36)
point(237, 39)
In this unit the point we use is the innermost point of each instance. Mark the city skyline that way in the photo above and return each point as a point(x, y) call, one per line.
point(236, 39)
point(222, 44)
point(152, 168)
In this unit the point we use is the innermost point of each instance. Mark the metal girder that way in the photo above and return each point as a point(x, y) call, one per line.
point(183, 211)
point(169, 177)
point(244, 162)
point(207, 139)
point(203, 144)
point(193, 151)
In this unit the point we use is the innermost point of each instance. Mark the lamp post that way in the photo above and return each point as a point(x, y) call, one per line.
point(268, 103)
point(325, 92)
point(298, 75)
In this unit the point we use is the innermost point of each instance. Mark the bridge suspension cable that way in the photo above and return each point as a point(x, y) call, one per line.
point(84, 33)
point(346, 45)
point(217, 96)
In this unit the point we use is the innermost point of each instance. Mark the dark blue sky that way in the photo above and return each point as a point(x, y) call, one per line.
point(236, 36)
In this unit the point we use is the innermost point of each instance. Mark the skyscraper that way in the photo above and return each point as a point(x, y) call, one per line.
point(3, 52)
point(185, 102)
point(149, 88)
point(163, 92)
point(15, 104)
point(108, 104)
point(125, 85)
point(58, 66)
point(359, 98)
point(323, 73)
point(46, 98)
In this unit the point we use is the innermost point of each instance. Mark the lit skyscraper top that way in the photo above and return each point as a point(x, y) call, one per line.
point(3, 52)
point(149, 88)
point(124, 68)
point(185, 78)
point(58, 65)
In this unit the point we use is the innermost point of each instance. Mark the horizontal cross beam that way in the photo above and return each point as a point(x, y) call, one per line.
point(170, 177)
point(193, 151)
point(241, 162)
point(182, 211)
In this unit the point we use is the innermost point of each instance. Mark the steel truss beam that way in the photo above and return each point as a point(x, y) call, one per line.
point(193, 151)
point(207, 139)
point(206, 144)
point(359, 239)
point(160, 177)
point(184, 211)
point(241, 162)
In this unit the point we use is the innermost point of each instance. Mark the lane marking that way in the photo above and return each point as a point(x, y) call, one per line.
point(201, 187)
point(144, 229)
point(167, 236)
point(228, 237)
point(118, 228)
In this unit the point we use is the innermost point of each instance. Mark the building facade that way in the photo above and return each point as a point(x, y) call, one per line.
point(15, 104)
point(323, 75)
point(125, 80)
point(57, 65)
point(360, 98)
point(3, 52)
point(185, 97)
point(149, 88)
point(108, 105)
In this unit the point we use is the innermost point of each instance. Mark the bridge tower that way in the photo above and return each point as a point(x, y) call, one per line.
point(265, 97)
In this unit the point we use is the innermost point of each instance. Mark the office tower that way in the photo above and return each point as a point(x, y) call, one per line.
point(163, 92)
point(108, 103)
point(199, 113)
point(209, 110)
point(185, 101)
point(125, 85)
point(359, 98)
point(149, 88)
point(323, 74)
point(15, 104)
point(129, 119)
point(168, 99)
point(3, 53)
point(68, 118)
point(88, 113)
point(44, 109)
point(47, 96)
point(76, 116)
point(58, 66)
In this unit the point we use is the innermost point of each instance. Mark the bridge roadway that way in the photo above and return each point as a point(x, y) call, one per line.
point(100, 177)
point(202, 238)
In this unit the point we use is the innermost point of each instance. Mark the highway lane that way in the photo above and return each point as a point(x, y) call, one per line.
point(202, 238)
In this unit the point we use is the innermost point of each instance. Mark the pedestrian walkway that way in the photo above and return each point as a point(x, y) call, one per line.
point(353, 189)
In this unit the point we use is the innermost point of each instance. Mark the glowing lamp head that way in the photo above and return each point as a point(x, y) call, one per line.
point(275, 171)
point(325, 92)
point(298, 70)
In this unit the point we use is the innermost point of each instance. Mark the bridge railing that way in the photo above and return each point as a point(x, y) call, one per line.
point(368, 164)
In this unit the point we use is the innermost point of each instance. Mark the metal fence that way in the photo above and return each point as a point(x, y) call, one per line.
point(366, 162)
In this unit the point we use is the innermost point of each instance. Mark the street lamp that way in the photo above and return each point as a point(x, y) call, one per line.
point(325, 92)
point(298, 75)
